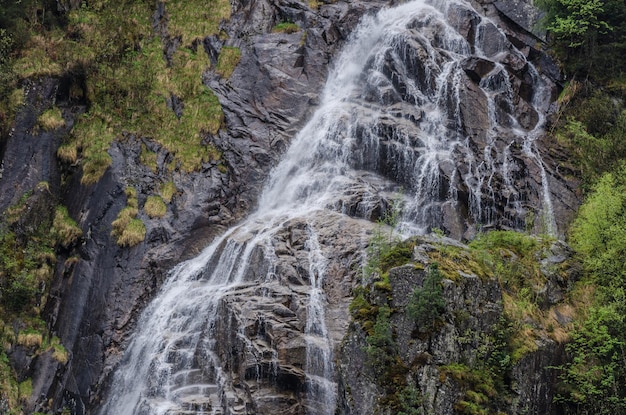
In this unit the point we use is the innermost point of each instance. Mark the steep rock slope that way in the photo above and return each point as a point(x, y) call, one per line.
point(460, 330)
point(94, 300)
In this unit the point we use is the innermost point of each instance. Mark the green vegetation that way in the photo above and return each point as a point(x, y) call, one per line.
point(155, 207)
point(128, 230)
point(478, 387)
point(196, 19)
point(427, 305)
point(64, 228)
point(227, 61)
point(589, 36)
point(512, 260)
point(168, 190)
point(590, 39)
point(286, 27)
point(30, 230)
point(117, 65)
point(51, 119)
point(593, 379)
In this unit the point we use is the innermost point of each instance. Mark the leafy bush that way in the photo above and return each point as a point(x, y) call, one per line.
point(591, 380)
point(594, 377)
point(588, 35)
point(599, 231)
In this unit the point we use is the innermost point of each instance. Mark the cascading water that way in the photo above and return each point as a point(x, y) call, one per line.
point(395, 113)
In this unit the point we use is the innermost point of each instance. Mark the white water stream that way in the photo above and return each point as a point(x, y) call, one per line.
point(169, 366)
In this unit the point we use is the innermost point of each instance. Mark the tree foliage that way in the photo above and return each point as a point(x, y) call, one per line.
point(593, 379)
point(588, 34)
point(599, 232)
point(427, 304)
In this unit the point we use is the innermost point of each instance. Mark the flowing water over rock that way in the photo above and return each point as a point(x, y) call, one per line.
point(429, 103)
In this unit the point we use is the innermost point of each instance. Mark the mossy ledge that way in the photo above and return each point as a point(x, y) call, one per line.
point(489, 301)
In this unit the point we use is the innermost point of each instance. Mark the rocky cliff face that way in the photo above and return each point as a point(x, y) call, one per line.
point(96, 297)
point(473, 355)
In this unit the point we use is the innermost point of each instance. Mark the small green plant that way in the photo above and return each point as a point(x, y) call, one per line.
point(127, 229)
point(227, 61)
point(427, 305)
point(410, 399)
point(148, 158)
point(59, 353)
point(286, 27)
point(26, 389)
point(133, 233)
point(64, 228)
point(168, 190)
point(155, 207)
point(51, 119)
point(478, 386)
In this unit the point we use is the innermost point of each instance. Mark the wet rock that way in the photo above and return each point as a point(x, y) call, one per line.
point(477, 68)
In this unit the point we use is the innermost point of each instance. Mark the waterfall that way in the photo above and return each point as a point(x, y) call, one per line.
point(395, 117)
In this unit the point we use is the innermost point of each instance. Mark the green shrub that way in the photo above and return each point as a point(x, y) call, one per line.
point(599, 231)
point(590, 380)
point(426, 305)
point(597, 351)
point(381, 346)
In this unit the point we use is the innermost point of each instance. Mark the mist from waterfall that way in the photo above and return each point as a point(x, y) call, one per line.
point(401, 72)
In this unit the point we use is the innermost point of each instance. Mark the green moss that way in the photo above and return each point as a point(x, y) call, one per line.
point(25, 389)
point(148, 158)
point(16, 100)
point(8, 384)
point(397, 255)
point(477, 385)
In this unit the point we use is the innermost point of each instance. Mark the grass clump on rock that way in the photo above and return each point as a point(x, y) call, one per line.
point(155, 207)
point(128, 230)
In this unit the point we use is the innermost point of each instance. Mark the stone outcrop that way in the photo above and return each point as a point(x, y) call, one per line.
point(260, 329)
point(474, 335)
